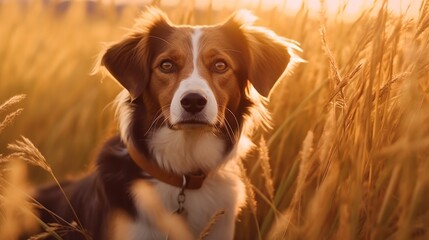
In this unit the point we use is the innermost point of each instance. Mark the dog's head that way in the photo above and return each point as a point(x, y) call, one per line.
point(197, 77)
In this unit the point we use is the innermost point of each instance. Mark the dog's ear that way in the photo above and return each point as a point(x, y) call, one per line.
point(126, 66)
point(128, 60)
point(268, 53)
point(269, 58)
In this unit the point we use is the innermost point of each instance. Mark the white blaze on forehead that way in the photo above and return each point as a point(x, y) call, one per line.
point(195, 83)
point(196, 36)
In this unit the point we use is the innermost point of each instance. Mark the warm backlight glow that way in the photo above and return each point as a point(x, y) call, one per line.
point(347, 9)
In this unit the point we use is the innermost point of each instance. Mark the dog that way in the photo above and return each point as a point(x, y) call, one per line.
point(192, 95)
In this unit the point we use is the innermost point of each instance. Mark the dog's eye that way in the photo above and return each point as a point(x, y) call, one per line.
point(220, 66)
point(167, 66)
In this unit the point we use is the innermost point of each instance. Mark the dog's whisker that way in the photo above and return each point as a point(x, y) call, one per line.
point(153, 124)
point(235, 118)
point(227, 129)
point(233, 137)
point(236, 122)
point(159, 115)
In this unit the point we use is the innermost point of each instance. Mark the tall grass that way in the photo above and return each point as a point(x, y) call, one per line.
point(347, 158)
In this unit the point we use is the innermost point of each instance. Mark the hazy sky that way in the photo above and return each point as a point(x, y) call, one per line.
point(352, 10)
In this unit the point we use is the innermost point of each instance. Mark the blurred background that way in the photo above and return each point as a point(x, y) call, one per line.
point(348, 124)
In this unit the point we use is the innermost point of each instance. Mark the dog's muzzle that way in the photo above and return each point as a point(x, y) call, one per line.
point(193, 105)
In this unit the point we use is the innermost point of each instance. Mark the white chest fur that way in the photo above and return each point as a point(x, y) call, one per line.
point(223, 189)
point(187, 151)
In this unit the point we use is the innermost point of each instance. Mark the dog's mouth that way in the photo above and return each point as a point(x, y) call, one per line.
point(192, 124)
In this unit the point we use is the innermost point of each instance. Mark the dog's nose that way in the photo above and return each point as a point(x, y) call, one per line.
point(193, 102)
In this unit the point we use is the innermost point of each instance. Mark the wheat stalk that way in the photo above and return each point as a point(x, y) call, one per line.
point(251, 199)
point(264, 160)
point(305, 165)
point(324, 196)
point(209, 226)
point(26, 151)
point(8, 120)
point(282, 225)
point(15, 210)
point(423, 22)
point(11, 101)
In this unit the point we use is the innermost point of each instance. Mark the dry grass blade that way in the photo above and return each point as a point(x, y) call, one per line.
point(343, 225)
point(285, 221)
point(346, 81)
point(333, 67)
point(11, 101)
point(26, 151)
point(424, 25)
point(264, 160)
point(423, 22)
point(209, 226)
point(251, 199)
point(16, 213)
point(43, 235)
point(326, 140)
point(305, 165)
point(9, 119)
point(385, 89)
point(11, 116)
point(282, 225)
point(324, 196)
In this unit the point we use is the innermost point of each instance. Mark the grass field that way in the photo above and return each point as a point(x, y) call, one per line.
point(348, 156)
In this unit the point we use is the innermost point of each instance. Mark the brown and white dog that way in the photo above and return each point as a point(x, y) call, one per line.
point(192, 94)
